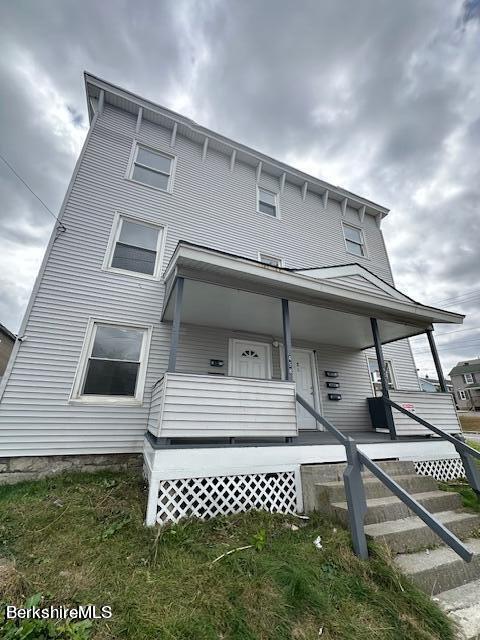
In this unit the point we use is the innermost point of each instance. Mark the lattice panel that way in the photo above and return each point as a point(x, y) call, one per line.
point(222, 495)
point(443, 470)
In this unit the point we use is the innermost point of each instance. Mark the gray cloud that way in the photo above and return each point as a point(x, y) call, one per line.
point(380, 98)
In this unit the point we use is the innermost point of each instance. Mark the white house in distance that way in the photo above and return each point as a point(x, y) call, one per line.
point(193, 287)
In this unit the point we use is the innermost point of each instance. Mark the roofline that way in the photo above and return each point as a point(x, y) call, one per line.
point(7, 332)
point(91, 79)
point(454, 317)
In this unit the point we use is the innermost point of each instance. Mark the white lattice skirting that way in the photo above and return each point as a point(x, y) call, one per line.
point(443, 469)
point(222, 495)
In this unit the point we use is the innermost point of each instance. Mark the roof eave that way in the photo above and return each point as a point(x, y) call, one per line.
point(371, 207)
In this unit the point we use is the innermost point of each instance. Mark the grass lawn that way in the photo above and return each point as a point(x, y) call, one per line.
point(470, 422)
point(80, 539)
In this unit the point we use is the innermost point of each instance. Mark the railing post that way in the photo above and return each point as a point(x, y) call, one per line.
point(356, 500)
point(287, 340)
point(383, 378)
point(436, 360)
point(472, 469)
point(177, 312)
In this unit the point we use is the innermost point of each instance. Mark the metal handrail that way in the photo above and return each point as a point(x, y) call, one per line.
point(446, 436)
point(328, 425)
point(466, 453)
point(356, 497)
point(435, 525)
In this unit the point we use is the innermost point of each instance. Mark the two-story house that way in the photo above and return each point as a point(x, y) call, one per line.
point(7, 340)
point(193, 287)
point(466, 383)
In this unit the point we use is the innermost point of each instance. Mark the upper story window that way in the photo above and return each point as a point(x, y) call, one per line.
point(463, 395)
point(153, 168)
point(135, 246)
point(271, 260)
point(113, 364)
point(374, 371)
point(354, 240)
point(468, 378)
point(267, 202)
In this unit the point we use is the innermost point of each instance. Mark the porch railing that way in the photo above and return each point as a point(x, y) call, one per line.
point(356, 497)
point(466, 453)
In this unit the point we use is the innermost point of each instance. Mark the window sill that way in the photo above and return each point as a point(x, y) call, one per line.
point(168, 191)
point(132, 274)
point(357, 256)
point(106, 401)
point(267, 215)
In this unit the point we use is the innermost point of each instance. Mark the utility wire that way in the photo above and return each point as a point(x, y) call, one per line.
point(460, 295)
point(32, 191)
point(445, 333)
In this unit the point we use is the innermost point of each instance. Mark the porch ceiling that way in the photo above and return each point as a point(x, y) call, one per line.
point(242, 295)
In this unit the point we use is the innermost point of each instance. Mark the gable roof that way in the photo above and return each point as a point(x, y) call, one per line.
point(466, 366)
point(357, 277)
point(8, 333)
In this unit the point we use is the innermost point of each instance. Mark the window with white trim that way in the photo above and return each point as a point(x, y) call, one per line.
point(354, 240)
point(267, 202)
point(468, 378)
point(152, 167)
point(374, 371)
point(462, 395)
point(271, 260)
point(113, 363)
point(135, 246)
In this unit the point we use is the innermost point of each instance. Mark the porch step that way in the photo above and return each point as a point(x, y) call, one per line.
point(441, 569)
point(412, 534)
point(392, 508)
point(463, 606)
point(374, 488)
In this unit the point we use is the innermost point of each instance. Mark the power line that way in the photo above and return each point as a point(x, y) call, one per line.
point(461, 295)
point(446, 333)
point(465, 345)
point(31, 190)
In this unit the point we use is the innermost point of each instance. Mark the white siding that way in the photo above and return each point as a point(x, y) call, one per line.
point(201, 406)
point(436, 408)
point(210, 206)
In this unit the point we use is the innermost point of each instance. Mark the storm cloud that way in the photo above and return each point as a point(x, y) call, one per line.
point(380, 98)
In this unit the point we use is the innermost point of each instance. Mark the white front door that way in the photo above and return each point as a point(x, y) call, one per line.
point(303, 374)
point(250, 359)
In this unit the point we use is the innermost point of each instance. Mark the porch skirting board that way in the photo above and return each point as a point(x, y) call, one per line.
point(202, 483)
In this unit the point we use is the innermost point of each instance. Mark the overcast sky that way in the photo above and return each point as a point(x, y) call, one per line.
point(380, 97)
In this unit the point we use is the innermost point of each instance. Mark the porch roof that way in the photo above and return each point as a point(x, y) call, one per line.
point(231, 292)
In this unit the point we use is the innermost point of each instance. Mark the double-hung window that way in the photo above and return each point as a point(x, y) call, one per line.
point(113, 363)
point(135, 246)
point(374, 371)
point(153, 168)
point(354, 240)
point(267, 202)
point(462, 395)
point(468, 378)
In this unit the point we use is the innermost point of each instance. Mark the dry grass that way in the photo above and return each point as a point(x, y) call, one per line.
point(81, 539)
point(470, 422)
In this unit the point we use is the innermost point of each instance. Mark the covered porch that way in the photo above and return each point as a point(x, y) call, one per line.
point(247, 396)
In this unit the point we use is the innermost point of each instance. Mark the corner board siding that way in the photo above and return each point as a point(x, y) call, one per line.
point(210, 206)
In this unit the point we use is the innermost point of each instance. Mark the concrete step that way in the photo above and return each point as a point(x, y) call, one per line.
point(441, 569)
point(392, 508)
point(374, 488)
point(332, 472)
point(412, 534)
point(462, 605)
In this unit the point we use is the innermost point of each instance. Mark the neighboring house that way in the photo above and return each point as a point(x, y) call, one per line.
point(466, 383)
point(431, 385)
point(7, 340)
point(199, 285)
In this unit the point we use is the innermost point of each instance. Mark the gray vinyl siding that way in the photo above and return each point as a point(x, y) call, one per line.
point(210, 206)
